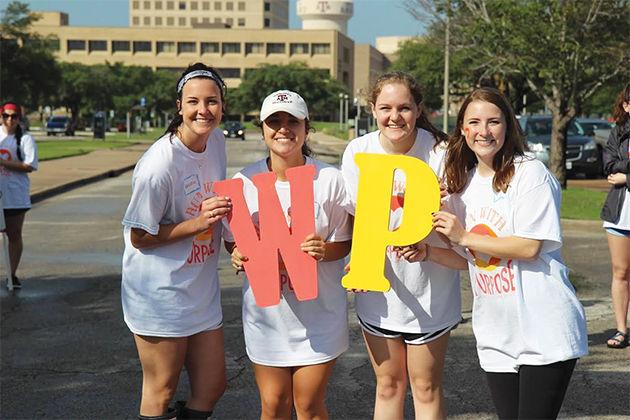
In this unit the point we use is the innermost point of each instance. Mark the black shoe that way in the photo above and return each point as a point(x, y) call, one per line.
point(16, 283)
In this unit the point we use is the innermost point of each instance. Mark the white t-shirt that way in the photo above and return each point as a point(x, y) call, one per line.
point(15, 185)
point(524, 312)
point(173, 290)
point(298, 333)
point(424, 297)
point(624, 216)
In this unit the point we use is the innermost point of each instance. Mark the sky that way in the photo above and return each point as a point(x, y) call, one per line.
point(371, 18)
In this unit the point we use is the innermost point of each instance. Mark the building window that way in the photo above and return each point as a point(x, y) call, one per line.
point(254, 48)
point(205, 21)
point(186, 47)
point(181, 21)
point(170, 5)
point(209, 48)
point(205, 5)
point(241, 6)
point(275, 48)
point(182, 5)
point(217, 20)
point(299, 49)
point(52, 44)
point(135, 21)
point(165, 47)
point(147, 5)
point(229, 22)
point(267, 6)
point(230, 73)
point(267, 22)
point(76, 45)
point(193, 5)
point(135, 5)
point(241, 21)
point(346, 78)
point(231, 48)
point(97, 45)
point(321, 49)
point(158, 5)
point(346, 55)
point(193, 22)
point(118, 46)
point(147, 21)
point(217, 5)
point(170, 21)
point(229, 6)
point(158, 21)
point(141, 46)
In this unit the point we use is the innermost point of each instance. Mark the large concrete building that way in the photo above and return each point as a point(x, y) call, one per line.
point(163, 34)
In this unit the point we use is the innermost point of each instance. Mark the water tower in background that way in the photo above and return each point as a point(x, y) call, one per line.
point(316, 14)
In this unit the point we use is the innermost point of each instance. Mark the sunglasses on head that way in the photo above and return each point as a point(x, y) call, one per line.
point(7, 116)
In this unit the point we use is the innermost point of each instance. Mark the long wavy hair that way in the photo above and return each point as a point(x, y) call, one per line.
point(416, 91)
point(460, 159)
point(619, 114)
point(178, 119)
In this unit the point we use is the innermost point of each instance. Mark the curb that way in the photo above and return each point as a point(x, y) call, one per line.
point(51, 192)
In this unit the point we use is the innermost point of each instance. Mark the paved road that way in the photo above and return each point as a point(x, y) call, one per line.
point(66, 352)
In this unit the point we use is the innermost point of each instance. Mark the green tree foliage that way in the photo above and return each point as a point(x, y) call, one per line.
point(28, 72)
point(563, 50)
point(320, 92)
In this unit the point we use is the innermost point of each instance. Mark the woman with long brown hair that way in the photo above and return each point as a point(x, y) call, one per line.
point(616, 215)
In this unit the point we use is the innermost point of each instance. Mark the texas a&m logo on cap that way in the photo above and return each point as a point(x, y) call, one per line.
point(282, 97)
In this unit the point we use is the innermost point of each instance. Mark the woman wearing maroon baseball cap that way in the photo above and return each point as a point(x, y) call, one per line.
point(18, 157)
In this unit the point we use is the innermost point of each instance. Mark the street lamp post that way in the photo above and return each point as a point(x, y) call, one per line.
point(345, 114)
point(341, 111)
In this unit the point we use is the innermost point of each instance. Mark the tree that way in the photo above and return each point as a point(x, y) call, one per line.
point(564, 50)
point(29, 74)
point(320, 92)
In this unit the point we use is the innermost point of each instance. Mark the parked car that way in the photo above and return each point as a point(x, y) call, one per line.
point(59, 124)
point(234, 129)
point(582, 155)
point(597, 128)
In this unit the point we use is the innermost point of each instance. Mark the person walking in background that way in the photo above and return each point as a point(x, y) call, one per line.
point(18, 157)
point(406, 329)
point(529, 325)
point(293, 345)
point(616, 215)
point(172, 232)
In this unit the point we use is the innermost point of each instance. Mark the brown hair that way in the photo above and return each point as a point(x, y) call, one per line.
point(416, 91)
point(619, 114)
point(460, 159)
point(178, 119)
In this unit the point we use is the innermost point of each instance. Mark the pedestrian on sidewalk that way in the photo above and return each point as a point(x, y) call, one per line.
point(18, 157)
point(172, 231)
point(529, 325)
point(616, 215)
point(406, 329)
point(293, 345)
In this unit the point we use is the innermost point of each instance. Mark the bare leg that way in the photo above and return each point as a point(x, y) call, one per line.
point(205, 363)
point(389, 361)
point(426, 364)
point(162, 360)
point(620, 286)
point(309, 390)
point(14, 233)
point(276, 391)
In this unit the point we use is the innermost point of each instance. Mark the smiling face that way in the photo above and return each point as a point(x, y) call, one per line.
point(201, 108)
point(484, 128)
point(284, 135)
point(10, 120)
point(396, 113)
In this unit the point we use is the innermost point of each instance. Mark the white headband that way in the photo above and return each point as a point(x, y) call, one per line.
point(200, 73)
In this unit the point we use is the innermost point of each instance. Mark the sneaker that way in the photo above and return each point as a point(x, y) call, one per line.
point(16, 283)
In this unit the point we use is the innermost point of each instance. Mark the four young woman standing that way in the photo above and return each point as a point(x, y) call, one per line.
point(502, 220)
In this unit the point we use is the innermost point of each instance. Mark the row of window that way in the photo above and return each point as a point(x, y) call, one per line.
point(235, 72)
point(204, 47)
point(191, 5)
point(183, 21)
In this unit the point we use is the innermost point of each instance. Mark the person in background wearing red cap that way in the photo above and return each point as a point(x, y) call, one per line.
point(18, 157)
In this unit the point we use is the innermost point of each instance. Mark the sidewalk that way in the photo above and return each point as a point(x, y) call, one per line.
point(60, 175)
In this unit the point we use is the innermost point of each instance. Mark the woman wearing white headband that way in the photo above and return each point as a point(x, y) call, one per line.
point(294, 344)
point(172, 230)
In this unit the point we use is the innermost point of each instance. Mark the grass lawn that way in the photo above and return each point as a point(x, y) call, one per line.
point(579, 203)
point(48, 150)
